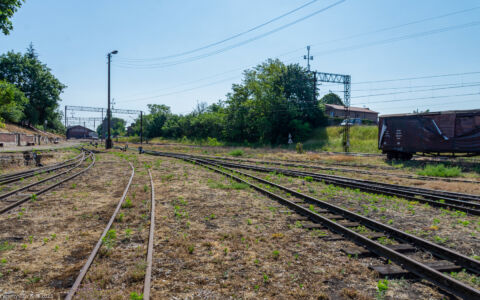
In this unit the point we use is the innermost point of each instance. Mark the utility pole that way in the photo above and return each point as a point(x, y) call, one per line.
point(108, 143)
point(141, 127)
point(308, 58)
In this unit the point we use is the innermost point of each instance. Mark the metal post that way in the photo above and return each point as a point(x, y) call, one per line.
point(314, 86)
point(347, 81)
point(308, 58)
point(141, 127)
point(84, 130)
point(102, 134)
point(108, 144)
point(65, 117)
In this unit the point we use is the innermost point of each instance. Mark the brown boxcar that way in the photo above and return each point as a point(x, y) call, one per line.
point(401, 136)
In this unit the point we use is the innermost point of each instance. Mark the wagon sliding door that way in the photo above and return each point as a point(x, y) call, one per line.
point(467, 132)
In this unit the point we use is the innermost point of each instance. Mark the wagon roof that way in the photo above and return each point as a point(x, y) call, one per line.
point(446, 112)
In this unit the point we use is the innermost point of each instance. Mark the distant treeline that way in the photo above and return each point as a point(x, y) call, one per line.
point(273, 101)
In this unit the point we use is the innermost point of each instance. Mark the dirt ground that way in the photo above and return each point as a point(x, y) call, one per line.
point(45, 243)
point(220, 240)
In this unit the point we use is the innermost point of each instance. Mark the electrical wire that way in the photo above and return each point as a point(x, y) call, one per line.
point(400, 38)
point(177, 92)
point(416, 91)
point(418, 98)
point(194, 58)
point(224, 40)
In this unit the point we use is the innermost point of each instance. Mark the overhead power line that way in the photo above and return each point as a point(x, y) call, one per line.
point(400, 38)
point(224, 40)
point(177, 92)
point(419, 77)
point(416, 91)
point(419, 98)
point(400, 25)
point(194, 58)
point(346, 38)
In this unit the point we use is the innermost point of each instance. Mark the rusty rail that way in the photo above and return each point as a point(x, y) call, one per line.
point(25, 199)
point(148, 272)
point(94, 252)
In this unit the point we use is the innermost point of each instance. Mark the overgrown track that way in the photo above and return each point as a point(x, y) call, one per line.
point(12, 177)
point(341, 221)
point(309, 166)
point(448, 200)
point(16, 198)
point(149, 258)
point(95, 250)
point(462, 202)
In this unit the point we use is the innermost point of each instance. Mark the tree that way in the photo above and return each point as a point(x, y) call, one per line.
point(331, 98)
point(7, 9)
point(274, 100)
point(12, 102)
point(38, 84)
point(118, 127)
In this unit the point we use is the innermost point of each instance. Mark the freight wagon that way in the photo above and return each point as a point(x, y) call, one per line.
point(434, 133)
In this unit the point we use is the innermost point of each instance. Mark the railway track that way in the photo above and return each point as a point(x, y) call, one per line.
point(408, 252)
point(149, 257)
point(309, 166)
point(18, 196)
point(13, 177)
point(443, 199)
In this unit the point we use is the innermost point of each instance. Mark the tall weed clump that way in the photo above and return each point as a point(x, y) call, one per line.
point(440, 170)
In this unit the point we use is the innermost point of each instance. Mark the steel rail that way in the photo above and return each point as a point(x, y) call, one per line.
point(148, 271)
point(346, 170)
point(94, 252)
point(467, 197)
point(25, 199)
point(423, 271)
point(8, 178)
point(469, 207)
point(369, 186)
point(77, 164)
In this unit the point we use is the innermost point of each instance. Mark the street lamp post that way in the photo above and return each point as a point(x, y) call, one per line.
point(108, 142)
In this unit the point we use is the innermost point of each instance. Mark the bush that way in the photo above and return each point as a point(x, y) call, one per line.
point(440, 171)
point(236, 152)
point(299, 148)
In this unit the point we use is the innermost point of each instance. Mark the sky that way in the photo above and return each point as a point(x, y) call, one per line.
point(402, 55)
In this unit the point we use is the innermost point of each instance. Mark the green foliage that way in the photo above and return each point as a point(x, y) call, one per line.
point(109, 238)
point(5, 246)
point(299, 148)
point(275, 254)
point(440, 170)
point(7, 9)
point(135, 296)
point(12, 102)
point(362, 139)
point(236, 152)
point(39, 85)
point(382, 288)
point(128, 203)
point(273, 100)
point(331, 98)
point(117, 127)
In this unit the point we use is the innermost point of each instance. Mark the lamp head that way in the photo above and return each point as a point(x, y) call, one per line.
point(114, 52)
